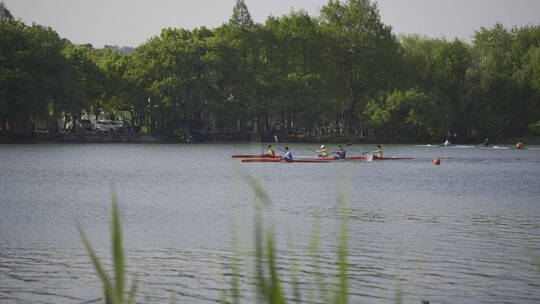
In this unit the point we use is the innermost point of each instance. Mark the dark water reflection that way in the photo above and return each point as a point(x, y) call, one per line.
point(463, 232)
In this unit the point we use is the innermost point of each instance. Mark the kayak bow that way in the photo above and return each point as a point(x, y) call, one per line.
point(250, 156)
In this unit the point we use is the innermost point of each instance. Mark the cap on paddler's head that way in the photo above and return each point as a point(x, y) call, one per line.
point(323, 146)
point(286, 148)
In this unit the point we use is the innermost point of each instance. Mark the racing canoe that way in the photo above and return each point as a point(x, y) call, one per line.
point(277, 160)
point(364, 158)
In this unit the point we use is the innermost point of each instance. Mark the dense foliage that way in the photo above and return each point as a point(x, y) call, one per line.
point(344, 73)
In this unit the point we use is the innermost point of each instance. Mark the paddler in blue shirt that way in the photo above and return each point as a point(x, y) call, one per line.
point(288, 154)
point(323, 152)
point(270, 152)
point(377, 152)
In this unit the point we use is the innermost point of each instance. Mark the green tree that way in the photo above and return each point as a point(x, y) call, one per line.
point(241, 16)
point(175, 77)
point(408, 115)
point(504, 79)
point(363, 53)
point(5, 14)
point(31, 64)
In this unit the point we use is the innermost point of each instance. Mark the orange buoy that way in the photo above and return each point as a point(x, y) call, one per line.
point(437, 161)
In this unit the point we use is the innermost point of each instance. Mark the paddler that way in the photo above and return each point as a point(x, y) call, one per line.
point(447, 142)
point(270, 152)
point(288, 154)
point(323, 152)
point(520, 145)
point(377, 152)
point(486, 142)
point(341, 153)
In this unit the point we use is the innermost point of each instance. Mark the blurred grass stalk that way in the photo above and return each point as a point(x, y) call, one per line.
point(268, 280)
point(113, 290)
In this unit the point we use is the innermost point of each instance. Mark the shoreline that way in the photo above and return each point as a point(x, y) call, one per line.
point(229, 138)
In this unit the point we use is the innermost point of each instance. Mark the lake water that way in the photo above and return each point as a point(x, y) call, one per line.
point(466, 231)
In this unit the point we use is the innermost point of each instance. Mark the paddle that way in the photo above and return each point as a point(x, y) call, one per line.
point(320, 155)
point(369, 157)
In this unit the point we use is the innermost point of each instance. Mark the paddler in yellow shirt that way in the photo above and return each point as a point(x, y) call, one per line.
point(323, 152)
point(377, 152)
point(270, 152)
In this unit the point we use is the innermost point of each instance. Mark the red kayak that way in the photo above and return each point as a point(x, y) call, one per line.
point(364, 158)
point(277, 160)
point(250, 156)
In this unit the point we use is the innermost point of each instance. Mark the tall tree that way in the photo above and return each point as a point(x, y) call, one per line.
point(363, 52)
point(5, 14)
point(241, 16)
point(31, 62)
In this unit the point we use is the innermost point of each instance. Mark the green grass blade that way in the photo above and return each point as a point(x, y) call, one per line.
point(107, 286)
point(118, 252)
point(275, 293)
point(342, 291)
point(294, 265)
point(321, 286)
point(260, 194)
point(262, 288)
point(133, 292)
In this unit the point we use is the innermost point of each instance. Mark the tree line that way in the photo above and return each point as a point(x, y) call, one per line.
point(344, 73)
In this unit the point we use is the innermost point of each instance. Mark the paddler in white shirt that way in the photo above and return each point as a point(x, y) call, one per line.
point(288, 154)
point(323, 152)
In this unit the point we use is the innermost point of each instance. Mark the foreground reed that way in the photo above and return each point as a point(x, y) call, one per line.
point(269, 282)
point(113, 290)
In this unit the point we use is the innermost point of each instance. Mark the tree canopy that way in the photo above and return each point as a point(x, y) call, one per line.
point(344, 73)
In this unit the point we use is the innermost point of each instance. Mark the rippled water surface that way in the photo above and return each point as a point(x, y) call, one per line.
point(466, 231)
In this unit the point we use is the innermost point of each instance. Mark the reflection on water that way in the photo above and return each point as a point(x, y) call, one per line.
point(462, 232)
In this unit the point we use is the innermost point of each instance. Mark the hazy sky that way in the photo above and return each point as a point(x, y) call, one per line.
point(132, 22)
